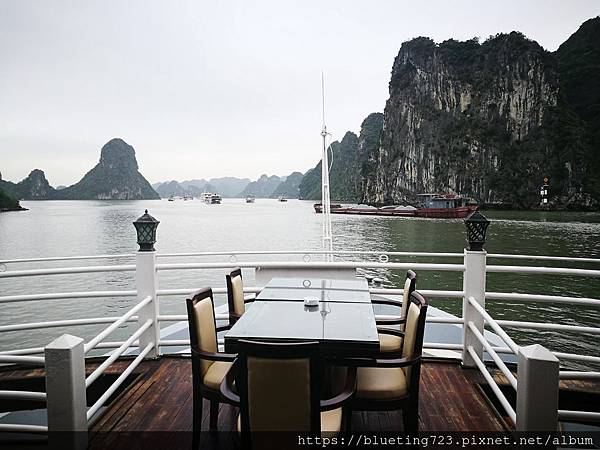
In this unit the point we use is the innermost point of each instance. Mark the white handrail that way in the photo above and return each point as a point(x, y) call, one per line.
point(488, 348)
point(18, 359)
point(108, 330)
point(541, 298)
point(548, 326)
point(577, 375)
point(315, 265)
point(492, 383)
point(303, 252)
point(116, 353)
point(113, 387)
point(21, 428)
point(579, 415)
point(543, 270)
point(66, 271)
point(24, 395)
point(492, 323)
point(60, 323)
point(66, 295)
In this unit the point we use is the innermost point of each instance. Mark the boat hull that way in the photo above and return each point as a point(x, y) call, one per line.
point(429, 213)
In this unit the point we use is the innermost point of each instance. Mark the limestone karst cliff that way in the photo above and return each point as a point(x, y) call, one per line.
point(476, 119)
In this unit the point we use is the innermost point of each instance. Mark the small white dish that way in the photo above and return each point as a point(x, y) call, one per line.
point(311, 301)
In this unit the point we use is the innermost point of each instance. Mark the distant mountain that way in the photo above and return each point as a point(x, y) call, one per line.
point(289, 187)
point(115, 177)
point(229, 186)
point(262, 188)
point(176, 189)
point(34, 187)
point(199, 184)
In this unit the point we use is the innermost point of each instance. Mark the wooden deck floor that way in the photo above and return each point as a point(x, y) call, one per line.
point(161, 400)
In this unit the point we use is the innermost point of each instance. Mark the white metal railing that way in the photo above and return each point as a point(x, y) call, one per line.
point(145, 325)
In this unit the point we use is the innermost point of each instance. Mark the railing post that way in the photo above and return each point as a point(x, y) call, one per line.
point(473, 286)
point(66, 395)
point(147, 281)
point(537, 389)
point(147, 285)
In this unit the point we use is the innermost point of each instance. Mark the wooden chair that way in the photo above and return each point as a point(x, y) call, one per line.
point(393, 383)
point(278, 389)
point(235, 295)
point(390, 340)
point(209, 367)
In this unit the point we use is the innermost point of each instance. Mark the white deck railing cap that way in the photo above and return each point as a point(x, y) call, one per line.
point(538, 352)
point(64, 342)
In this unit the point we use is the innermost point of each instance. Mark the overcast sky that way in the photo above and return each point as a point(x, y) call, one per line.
point(213, 88)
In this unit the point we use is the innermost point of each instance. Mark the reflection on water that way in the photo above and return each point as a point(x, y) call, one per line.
point(63, 228)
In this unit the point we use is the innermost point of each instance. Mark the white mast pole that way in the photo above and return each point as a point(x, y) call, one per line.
point(325, 199)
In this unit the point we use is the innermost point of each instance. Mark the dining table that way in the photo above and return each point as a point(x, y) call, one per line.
point(336, 313)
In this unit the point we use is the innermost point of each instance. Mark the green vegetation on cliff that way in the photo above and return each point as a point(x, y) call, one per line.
point(8, 203)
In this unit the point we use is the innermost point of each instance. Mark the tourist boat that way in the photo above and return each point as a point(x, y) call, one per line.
point(430, 206)
point(171, 198)
point(206, 197)
point(282, 198)
point(250, 198)
point(215, 199)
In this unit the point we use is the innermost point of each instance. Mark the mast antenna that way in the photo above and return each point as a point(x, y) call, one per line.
point(325, 197)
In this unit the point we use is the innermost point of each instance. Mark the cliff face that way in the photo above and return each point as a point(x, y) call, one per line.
point(115, 177)
point(344, 176)
point(261, 188)
point(290, 187)
point(482, 120)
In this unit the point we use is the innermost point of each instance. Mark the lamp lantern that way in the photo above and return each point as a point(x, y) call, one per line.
point(146, 226)
point(477, 225)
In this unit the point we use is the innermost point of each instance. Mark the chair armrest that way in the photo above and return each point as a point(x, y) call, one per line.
point(383, 362)
point(213, 356)
point(390, 331)
point(390, 302)
point(386, 301)
point(226, 387)
point(344, 396)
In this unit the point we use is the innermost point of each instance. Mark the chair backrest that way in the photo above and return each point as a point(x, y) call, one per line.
point(279, 387)
point(202, 325)
point(410, 284)
point(412, 346)
point(235, 294)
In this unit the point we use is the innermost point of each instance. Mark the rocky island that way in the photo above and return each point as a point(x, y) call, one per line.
point(115, 177)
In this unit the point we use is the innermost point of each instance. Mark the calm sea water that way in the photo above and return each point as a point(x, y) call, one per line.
point(65, 228)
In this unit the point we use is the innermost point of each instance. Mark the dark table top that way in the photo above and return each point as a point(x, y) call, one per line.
point(342, 329)
point(297, 289)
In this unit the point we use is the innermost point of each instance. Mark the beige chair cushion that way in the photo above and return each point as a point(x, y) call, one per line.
point(410, 335)
point(405, 301)
point(377, 383)
point(331, 421)
point(389, 343)
point(206, 332)
point(215, 374)
point(279, 394)
point(238, 295)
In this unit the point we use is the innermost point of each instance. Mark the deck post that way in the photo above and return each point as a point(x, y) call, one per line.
point(537, 389)
point(66, 395)
point(147, 285)
point(473, 286)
